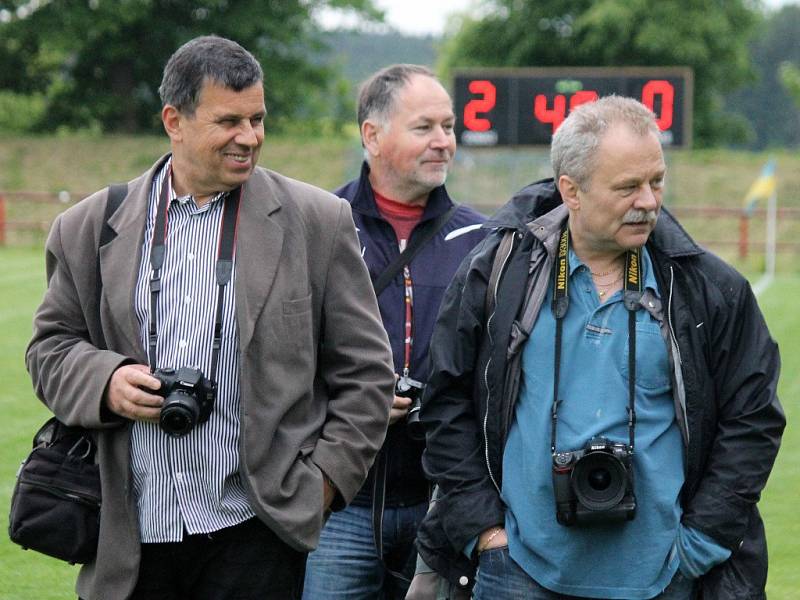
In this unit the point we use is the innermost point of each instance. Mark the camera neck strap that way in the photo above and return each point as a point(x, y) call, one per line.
point(224, 266)
point(632, 293)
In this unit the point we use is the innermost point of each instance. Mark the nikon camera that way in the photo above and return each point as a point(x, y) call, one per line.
point(188, 399)
point(594, 484)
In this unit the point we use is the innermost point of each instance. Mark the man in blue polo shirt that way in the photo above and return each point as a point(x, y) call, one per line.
point(602, 421)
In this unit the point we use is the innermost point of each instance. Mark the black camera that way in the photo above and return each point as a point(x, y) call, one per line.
point(594, 484)
point(405, 387)
point(188, 399)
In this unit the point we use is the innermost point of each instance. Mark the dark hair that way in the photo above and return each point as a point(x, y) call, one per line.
point(377, 94)
point(204, 58)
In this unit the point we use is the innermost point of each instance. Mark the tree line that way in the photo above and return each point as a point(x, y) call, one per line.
point(96, 64)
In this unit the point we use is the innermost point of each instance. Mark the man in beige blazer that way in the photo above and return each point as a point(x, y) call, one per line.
point(229, 506)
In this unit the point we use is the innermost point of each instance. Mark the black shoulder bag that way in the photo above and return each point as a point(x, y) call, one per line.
point(55, 506)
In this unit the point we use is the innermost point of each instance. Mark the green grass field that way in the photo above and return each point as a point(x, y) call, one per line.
point(27, 575)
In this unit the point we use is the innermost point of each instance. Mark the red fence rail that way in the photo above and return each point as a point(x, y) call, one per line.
point(36, 220)
point(25, 222)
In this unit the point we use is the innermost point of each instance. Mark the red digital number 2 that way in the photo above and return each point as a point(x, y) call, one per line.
point(480, 105)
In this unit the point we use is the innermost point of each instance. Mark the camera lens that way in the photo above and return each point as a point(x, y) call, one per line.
point(179, 414)
point(599, 480)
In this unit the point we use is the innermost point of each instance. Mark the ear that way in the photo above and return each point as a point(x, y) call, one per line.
point(171, 118)
point(370, 137)
point(569, 192)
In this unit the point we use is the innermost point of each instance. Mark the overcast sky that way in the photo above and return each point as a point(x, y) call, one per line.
point(430, 16)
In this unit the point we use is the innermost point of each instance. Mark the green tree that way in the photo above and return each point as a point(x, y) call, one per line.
point(98, 63)
point(767, 102)
point(790, 78)
point(708, 36)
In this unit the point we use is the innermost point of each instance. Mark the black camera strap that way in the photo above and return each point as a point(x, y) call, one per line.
point(632, 293)
point(224, 266)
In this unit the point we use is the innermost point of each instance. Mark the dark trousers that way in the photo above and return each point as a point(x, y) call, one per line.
point(245, 562)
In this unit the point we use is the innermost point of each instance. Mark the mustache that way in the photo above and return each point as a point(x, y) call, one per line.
point(634, 216)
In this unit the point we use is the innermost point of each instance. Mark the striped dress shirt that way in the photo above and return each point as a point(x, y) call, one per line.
point(192, 483)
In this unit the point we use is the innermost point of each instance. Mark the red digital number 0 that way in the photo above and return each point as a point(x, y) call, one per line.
point(480, 105)
point(554, 116)
point(660, 87)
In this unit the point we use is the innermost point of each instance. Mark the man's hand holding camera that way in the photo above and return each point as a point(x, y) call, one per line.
point(400, 408)
point(128, 395)
point(407, 396)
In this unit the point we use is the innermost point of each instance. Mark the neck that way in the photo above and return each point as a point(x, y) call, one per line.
point(184, 187)
point(385, 187)
point(597, 260)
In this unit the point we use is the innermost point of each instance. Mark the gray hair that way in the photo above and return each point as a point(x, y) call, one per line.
point(204, 58)
point(378, 93)
point(574, 147)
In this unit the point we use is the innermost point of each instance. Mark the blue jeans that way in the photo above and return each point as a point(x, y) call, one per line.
point(500, 577)
point(346, 565)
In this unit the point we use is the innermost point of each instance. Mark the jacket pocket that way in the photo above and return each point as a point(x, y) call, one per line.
point(297, 325)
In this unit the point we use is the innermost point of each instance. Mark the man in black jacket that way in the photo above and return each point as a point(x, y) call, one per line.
point(602, 420)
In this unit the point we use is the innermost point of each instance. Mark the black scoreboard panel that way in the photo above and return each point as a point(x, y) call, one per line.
point(503, 107)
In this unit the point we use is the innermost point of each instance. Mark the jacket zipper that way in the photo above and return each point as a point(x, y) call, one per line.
point(486, 369)
point(679, 361)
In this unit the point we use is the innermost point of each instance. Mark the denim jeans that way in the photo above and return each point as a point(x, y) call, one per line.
point(346, 565)
point(500, 577)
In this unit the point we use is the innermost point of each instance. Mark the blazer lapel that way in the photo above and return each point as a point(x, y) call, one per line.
point(259, 246)
point(119, 265)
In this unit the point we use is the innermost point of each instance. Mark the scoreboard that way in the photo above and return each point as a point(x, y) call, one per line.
point(508, 107)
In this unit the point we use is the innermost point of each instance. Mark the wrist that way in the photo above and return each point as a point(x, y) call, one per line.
point(487, 537)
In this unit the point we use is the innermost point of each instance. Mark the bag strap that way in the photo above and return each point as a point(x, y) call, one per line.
point(503, 250)
point(405, 257)
point(53, 429)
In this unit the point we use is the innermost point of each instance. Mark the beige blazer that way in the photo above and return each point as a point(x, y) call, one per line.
point(316, 367)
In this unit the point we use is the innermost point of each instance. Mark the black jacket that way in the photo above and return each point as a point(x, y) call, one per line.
point(729, 366)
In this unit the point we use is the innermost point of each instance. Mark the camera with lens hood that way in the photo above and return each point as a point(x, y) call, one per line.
point(188, 399)
point(594, 484)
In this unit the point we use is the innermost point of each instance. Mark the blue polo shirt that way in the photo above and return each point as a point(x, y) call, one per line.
point(634, 559)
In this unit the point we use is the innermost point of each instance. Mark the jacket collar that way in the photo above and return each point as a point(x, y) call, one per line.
point(259, 246)
point(531, 204)
point(439, 201)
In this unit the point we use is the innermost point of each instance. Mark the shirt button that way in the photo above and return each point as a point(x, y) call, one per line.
point(463, 580)
point(190, 256)
point(187, 300)
point(183, 344)
point(179, 477)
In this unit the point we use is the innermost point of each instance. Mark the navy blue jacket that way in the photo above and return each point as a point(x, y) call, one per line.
point(431, 271)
